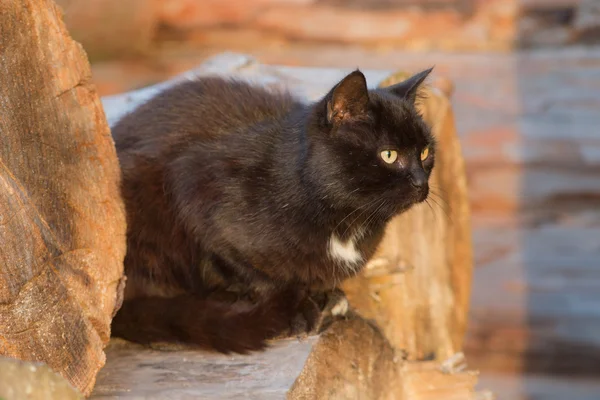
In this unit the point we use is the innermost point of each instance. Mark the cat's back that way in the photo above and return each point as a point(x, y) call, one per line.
point(207, 107)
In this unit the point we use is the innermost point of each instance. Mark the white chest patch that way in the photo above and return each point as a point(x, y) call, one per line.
point(344, 252)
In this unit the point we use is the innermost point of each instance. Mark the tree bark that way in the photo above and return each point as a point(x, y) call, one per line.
point(62, 225)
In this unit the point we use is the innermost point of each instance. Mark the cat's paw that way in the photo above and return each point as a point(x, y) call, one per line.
point(335, 307)
point(307, 317)
point(337, 304)
point(318, 311)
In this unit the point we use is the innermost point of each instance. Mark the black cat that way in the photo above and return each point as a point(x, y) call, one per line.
point(232, 189)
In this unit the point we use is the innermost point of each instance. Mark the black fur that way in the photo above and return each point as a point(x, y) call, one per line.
point(229, 187)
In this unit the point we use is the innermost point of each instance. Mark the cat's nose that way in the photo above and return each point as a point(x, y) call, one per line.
point(418, 179)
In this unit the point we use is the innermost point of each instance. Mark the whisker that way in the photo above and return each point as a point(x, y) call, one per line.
point(365, 209)
point(362, 226)
point(349, 214)
point(432, 186)
point(441, 198)
point(433, 211)
point(373, 214)
point(431, 208)
point(442, 208)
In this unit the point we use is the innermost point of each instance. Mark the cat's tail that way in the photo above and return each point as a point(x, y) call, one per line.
point(208, 324)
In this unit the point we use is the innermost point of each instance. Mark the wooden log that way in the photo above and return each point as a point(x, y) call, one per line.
point(354, 360)
point(62, 225)
point(417, 286)
point(351, 360)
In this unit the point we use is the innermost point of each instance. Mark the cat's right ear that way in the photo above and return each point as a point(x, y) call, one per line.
point(349, 99)
point(408, 89)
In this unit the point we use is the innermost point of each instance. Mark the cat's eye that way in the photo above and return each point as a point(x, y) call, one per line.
point(389, 156)
point(425, 153)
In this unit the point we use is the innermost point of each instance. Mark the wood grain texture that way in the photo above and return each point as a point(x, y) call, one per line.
point(417, 286)
point(354, 360)
point(351, 360)
point(62, 226)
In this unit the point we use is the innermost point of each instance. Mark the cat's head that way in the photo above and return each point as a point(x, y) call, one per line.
point(371, 148)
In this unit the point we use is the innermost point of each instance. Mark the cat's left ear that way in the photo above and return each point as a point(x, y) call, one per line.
point(348, 99)
point(408, 89)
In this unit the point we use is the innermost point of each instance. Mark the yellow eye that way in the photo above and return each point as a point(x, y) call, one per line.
point(389, 156)
point(425, 154)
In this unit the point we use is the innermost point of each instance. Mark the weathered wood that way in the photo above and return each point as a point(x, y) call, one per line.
point(429, 380)
point(353, 360)
point(417, 286)
point(62, 226)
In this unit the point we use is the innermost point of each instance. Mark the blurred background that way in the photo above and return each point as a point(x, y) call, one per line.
point(527, 103)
